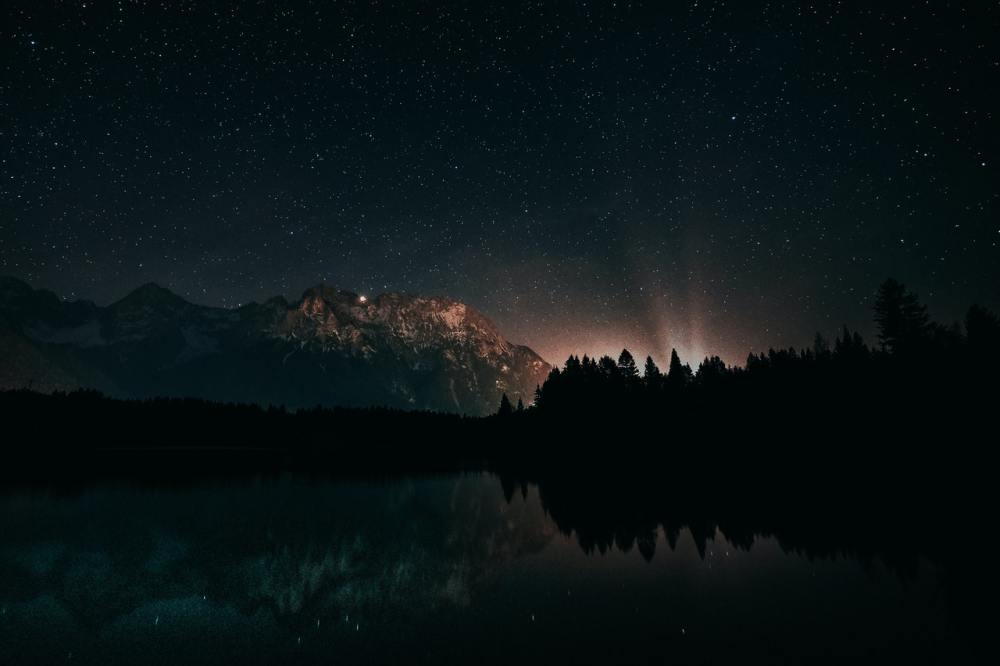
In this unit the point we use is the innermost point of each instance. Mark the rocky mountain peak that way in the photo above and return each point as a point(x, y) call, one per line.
point(330, 347)
point(153, 295)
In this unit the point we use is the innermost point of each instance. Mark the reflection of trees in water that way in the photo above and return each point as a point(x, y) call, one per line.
point(889, 520)
point(288, 554)
point(625, 510)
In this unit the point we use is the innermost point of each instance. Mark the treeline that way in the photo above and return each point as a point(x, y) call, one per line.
point(915, 361)
point(820, 407)
point(85, 433)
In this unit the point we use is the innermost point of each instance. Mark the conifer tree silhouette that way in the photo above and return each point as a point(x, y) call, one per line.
point(902, 320)
point(626, 365)
point(505, 407)
point(651, 373)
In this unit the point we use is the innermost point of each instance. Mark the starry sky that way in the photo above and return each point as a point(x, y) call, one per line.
point(718, 177)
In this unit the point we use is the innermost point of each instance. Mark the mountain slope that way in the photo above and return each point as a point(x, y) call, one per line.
point(330, 347)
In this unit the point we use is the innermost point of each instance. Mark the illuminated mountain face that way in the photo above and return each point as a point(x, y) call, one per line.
point(330, 347)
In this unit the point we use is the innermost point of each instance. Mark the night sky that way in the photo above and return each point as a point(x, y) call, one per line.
point(719, 177)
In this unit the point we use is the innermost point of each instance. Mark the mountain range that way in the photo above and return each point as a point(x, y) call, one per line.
point(330, 347)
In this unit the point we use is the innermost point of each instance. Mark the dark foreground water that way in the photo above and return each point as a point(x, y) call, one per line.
point(440, 570)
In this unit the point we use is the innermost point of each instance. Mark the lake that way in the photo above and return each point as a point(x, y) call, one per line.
point(436, 570)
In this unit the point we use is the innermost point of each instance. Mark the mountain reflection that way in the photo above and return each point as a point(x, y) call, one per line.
point(279, 567)
point(287, 548)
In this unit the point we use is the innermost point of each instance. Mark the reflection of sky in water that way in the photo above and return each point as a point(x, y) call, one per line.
point(436, 569)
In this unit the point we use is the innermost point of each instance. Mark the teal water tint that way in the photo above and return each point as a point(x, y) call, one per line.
point(440, 570)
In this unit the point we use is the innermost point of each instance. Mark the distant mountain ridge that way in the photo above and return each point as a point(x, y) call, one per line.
point(330, 347)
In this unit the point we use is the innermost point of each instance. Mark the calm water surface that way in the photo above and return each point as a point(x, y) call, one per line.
point(440, 570)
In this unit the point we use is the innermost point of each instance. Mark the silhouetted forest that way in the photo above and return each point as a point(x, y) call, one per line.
point(86, 434)
point(880, 451)
point(843, 404)
point(915, 362)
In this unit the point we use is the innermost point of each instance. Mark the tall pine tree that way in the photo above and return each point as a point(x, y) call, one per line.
point(902, 320)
